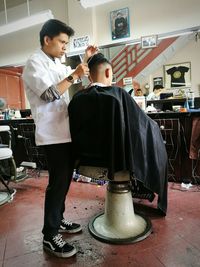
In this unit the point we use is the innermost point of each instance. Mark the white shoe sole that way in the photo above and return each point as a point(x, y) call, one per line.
point(79, 229)
point(61, 255)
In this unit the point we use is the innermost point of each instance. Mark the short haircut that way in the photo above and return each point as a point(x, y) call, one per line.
point(54, 27)
point(95, 60)
point(157, 86)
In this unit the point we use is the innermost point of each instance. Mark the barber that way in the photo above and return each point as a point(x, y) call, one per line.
point(46, 83)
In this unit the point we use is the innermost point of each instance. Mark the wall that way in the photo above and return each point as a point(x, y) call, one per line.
point(16, 47)
point(146, 17)
point(12, 89)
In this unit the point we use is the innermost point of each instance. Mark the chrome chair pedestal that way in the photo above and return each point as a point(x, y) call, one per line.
point(6, 153)
point(119, 224)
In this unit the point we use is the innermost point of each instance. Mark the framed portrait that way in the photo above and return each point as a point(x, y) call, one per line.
point(120, 24)
point(177, 75)
point(149, 41)
point(158, 81)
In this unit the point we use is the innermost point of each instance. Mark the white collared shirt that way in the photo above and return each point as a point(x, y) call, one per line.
point(98, 84)
point(51, 118)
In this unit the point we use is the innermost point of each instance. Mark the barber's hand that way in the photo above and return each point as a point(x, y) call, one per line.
point(90, 51)
point(81, 70)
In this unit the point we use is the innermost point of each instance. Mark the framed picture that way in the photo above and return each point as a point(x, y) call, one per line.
point(177, 75)
point(120, 25)
point(127, 80)
point(149, 41)
point(158, 81)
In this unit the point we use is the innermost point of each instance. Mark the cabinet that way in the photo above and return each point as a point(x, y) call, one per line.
point(176, 130)
point(170, 130)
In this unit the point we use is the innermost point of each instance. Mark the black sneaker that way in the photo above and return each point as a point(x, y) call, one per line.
point(57, 246)
point(69, 227)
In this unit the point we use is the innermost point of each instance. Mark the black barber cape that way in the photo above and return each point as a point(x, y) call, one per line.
point(110, 130)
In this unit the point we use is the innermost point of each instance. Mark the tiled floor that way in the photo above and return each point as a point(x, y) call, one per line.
point(175, 240)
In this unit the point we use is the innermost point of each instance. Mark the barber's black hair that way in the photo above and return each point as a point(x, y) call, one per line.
point(157, 86)
point(96, 60)
point(54, 27)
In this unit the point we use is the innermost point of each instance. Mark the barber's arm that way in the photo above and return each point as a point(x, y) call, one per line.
point(55, 91)
point(81, 70)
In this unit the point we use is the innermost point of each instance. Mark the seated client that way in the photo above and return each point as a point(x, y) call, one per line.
point(110, 130)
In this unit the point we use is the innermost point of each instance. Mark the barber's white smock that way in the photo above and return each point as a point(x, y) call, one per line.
point(51, 118)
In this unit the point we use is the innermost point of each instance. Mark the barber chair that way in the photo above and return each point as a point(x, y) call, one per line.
point(34, 154)
point(6, 153)
point(107, 132)
point(118, 224)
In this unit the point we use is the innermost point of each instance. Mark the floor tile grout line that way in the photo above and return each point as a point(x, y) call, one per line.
point(159, 260)
point(188, 241)
point(18, 256)
point(4, 253)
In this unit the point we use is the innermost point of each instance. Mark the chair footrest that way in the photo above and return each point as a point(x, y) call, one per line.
point(20, 177)
point(28, 164)
point(3, 145)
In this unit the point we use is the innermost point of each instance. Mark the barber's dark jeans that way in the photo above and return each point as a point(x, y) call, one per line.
point(60, 167)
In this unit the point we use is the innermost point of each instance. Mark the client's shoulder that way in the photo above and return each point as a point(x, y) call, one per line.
point(114, 91)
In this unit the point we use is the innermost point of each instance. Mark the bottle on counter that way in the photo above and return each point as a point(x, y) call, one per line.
point(190, 100)
point(6, 114)
point(1, 116)
point(11, 113)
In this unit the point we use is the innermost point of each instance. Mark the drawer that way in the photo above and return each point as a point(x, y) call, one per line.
point(169, 126)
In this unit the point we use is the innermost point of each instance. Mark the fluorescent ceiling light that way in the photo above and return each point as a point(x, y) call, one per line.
point(176, 35)
point(92, 3)
point(26, 22)
point(134, 42)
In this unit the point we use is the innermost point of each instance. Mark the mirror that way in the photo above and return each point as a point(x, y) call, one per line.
point(149, 66)
point(152, 66)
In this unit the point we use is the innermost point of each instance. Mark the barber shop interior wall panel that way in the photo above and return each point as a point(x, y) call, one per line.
point(11, 88)
point(13, 91)
point(3, 86)
point(143, 18)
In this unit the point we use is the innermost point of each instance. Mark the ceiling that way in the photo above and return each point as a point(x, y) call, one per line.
point(11, 3)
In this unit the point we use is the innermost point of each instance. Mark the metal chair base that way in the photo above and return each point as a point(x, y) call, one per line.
point(119, 224)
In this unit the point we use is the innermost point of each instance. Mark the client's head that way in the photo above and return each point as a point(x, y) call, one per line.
point(100, 69)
